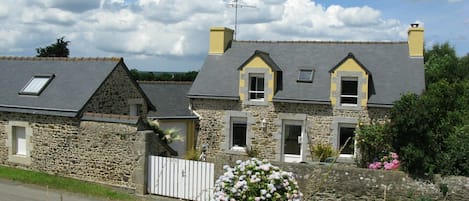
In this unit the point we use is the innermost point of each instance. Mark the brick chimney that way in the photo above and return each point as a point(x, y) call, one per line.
point(415, 40)
point(220, 40)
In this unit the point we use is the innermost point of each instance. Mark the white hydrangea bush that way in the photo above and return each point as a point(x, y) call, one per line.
point(256, 180)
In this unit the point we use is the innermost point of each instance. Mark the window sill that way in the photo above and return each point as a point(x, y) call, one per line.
point(349, 107)
point(256, 102)
point(237, 151)
point(346, 158)
point(20, 159)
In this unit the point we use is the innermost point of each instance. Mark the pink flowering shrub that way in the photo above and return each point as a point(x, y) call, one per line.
point(256, 180)
point(388, 162)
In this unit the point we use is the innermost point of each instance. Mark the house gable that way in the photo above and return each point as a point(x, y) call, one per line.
point(71, 83)
point(260, 63)
point(349, 67)
point(117, 94)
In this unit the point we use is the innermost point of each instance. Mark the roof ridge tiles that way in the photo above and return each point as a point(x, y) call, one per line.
point(60, 58)
point(325, 42)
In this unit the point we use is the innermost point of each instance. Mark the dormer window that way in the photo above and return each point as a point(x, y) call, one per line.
point(305, 75)
point(349, 91)
point(256, 87)
point(36, 85)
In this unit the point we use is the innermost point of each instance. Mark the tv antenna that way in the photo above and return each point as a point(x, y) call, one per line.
point(236, 4)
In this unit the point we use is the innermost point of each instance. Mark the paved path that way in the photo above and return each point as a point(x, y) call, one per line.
point(15, 191)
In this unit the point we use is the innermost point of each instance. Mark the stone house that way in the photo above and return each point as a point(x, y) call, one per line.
point(282, 97)
point(76, 117)
point(172, 111)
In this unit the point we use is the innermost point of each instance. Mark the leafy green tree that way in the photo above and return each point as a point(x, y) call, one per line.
point(441, 62)
point(152, 76)
point(58, 49)
point(430, 130)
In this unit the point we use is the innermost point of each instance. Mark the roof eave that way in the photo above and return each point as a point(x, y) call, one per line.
point(287, 100)
point(381, 105)
point(213, 97)
point(39, 111)
point(173, 117)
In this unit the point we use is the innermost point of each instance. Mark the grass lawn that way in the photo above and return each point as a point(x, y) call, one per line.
point(62, 183)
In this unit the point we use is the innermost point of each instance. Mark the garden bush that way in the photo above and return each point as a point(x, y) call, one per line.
point(322, 151)
point(255, 180)
point(373, 142)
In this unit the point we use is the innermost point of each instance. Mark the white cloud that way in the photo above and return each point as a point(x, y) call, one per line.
point(454, 1)
point(109, 21)
point(307, 20)
point(73, 5)
point(173, 29)
point(59, 17)
point(4, 9)
point(359, 16)
point(173, 11)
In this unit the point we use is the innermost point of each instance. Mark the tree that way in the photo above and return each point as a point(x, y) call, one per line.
point(165, 76)
point(441, 62)
point(430, 131)
point(58, 49)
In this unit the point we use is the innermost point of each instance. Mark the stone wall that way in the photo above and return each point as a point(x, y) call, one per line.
point(320, 120)
point(113, 96)
point(111, 153)
point(51, 136)
point(344, 182)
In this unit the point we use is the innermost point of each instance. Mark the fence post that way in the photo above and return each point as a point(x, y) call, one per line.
point(140, 174)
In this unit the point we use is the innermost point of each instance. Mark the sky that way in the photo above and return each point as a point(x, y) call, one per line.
point(172, 35)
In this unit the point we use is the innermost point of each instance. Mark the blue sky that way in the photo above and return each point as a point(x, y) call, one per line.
point(172, 35)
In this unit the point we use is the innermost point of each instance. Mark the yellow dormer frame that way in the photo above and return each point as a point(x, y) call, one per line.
point(259, 65)
point(349, 69)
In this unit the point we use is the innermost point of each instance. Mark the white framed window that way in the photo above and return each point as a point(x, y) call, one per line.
point(256, 87)
point(349, 91)
point(305, 75)
point(135, 106)
point(238, 133)
point(36, 85)
point(18, 142)
point(135, 109)
point(346, 139)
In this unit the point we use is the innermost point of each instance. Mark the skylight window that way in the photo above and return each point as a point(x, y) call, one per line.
point(36, 85)
point(305, 75)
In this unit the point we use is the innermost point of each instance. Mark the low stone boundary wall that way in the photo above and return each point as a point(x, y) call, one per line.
point(342, 182)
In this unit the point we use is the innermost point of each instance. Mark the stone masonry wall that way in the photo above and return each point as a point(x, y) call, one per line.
point(111, 153)
point(51, 136)
point(319, 123)
point(347, 183)
point(107, 152)
point(113, 96)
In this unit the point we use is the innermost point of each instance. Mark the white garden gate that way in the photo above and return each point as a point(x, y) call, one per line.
point(186, 179)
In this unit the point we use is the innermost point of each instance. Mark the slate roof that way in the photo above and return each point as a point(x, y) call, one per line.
point(393, 72)
point(75, 81)
point(170, 99)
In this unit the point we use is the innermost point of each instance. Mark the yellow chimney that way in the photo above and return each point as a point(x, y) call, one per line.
point(415, 40)
point(220, 40)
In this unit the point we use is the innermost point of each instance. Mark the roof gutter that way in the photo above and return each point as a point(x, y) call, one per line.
point(285, 100)
point(38, 108)
point(214, 97)
point(173, 117)
point(380, 105)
